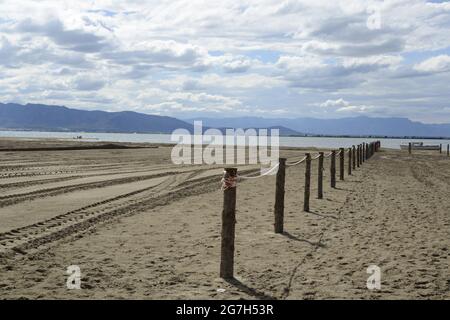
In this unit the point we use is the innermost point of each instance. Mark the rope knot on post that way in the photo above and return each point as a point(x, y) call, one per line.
point(229, 179)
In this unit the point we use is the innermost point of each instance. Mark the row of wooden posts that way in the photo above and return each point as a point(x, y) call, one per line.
point(357, 155)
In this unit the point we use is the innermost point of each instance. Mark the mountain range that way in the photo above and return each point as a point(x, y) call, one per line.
point(58, 118)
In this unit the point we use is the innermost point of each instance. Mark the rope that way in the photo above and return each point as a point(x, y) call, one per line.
point(295, 163)
point(316, 157)
point(261, 175)
point(228, 181)
point(328, 155)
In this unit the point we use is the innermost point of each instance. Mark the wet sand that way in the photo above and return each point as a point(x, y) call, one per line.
point(140, 227)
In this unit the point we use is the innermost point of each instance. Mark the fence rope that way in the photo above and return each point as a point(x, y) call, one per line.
point(328, 155)
point(295, 163)
point(228, 181)
point(261, 175)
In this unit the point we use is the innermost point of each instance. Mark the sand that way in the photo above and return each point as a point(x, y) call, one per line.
point(140, 227)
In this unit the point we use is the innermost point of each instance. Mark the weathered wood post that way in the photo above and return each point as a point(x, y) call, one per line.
point(358, 151)
point(354, 157)
point(440, 148)
point(363, 154)
point(448, 150)
point(341, 163)
point(410, 148)
point(367, 151)
point(279, 196)
point(228, 223)
point(349, 161)
point(307, 182)
point(333, 169)
point(360, 154)
point(320, 177)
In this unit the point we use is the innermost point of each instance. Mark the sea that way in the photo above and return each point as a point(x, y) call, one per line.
point(318, 142)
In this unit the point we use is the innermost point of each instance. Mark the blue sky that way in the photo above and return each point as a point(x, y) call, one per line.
point(268, 58)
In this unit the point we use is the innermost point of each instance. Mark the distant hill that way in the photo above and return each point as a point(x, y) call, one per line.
point(356, 126)
point(57, 118)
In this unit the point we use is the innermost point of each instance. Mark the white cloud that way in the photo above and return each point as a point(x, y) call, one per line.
point(436, 64)
point(255, 56)
point(334, 103)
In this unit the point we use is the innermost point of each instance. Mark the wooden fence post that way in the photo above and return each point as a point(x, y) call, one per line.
point(363, 154)
point(358, 156)
point(307, 182)
point(367, 151)
point(279, 196)
point(320, 177)
point(409, 148)
point(341, 163)
point(228, 227)
point(448, 150)
point(440, 148)
point(333, 169)
point(349, 161)
point(354, 157)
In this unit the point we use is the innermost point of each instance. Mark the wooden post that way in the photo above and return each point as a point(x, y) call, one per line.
point(279, 196)
point(349, 161)
point(360, 154)
point(440, 148)
point(410, 148)
point(354, 157)
point(448, 150)
point(367, 151)
point(228, 227)
point(358, 151)
point(341, 164)
point(307, 182)
point(363, 153)
point(333, 169)
point(320, 177)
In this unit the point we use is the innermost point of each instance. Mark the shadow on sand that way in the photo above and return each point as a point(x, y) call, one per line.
point(250, 291)
point(292, 237)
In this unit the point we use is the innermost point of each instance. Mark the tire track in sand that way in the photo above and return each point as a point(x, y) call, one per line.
point(176, 186)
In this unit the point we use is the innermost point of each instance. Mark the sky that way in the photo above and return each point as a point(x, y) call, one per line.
point(266, 58)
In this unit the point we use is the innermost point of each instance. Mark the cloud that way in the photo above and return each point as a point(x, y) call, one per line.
point(88, 84)
point(262, 57)
point(334, 103)
point(436, 64)
point(76, 40)
point(342, 106)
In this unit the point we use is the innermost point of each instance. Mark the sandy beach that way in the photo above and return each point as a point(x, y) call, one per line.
point(140, 227)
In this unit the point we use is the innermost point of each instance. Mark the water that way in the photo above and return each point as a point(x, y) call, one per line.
point(319, 142)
